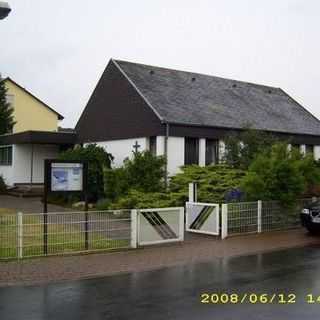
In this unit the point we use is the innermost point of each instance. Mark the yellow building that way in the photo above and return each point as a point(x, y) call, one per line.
point(30, 113)
point(34, 138)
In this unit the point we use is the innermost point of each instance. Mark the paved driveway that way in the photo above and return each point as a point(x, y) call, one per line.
point(174, 293)
point(27, 205)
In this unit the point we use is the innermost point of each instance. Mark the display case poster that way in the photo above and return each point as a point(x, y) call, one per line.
point(66, 177)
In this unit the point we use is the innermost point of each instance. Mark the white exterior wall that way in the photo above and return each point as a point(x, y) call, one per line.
point(202, 152)
point(20, 170)
point(7, 174)
point(160, 145)
point(175, 155)
point(303, 149)
point(316, 152)
point(22, 162)
point(222, 150)
point(121, 149)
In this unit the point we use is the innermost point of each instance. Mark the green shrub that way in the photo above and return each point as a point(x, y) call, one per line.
point(242, 148)
point(98, 159)
point(280, 175)
point(144, 172)
point(3, 187)
point(213, 183)
point(139, 200)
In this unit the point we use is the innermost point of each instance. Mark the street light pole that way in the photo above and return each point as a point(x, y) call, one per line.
point(4, 10)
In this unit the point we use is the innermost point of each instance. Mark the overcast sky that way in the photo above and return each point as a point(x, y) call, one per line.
point(58, 52)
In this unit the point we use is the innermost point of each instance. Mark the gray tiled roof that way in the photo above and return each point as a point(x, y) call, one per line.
point(197, 99)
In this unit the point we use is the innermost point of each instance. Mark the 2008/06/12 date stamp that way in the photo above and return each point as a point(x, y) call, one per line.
point(256, 298)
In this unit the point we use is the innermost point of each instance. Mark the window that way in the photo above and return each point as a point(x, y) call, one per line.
point(191, 151)
point(6, 156)
point(212, 151)
point(153, 145)
point(309, 149)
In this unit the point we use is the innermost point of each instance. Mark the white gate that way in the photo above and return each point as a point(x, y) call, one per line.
point(202, 218)
point(157, 226)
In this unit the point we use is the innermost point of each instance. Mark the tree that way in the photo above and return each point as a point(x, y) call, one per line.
point(242, 148)
point(281, 174)
point(6, 111)
point(98, 160)
point(144, 173)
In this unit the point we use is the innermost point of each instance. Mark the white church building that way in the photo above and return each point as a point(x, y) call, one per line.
point(186, 116)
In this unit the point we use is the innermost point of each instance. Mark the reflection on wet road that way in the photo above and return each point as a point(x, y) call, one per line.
point(174, 293)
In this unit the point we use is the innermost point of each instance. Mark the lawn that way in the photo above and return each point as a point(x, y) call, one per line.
point(65, 235)
point(4, 211)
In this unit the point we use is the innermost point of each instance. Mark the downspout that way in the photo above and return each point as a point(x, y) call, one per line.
point(166, 155)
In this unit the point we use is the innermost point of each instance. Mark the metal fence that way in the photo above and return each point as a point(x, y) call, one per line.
point(29, 235)
point(259, 216)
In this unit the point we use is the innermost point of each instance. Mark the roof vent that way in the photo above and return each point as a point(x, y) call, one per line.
point(269, 91)
point(151, 72)
point(234, 85)
point(193, 79)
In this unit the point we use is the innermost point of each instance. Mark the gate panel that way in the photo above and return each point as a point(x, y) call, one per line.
point(202, 218)
point(163, 225)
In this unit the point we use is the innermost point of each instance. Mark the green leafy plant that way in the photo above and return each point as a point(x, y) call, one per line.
point(213, 184)
point(144, 172)
point(242, 148)
point(98, 160)
point(280, 175)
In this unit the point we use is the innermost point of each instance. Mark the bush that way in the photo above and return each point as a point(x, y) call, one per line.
point(281, 175)
point(98, 159)
point(140, 200)
point(3, 187)
point(214, 182)
point(143, 173)
point(241, 149)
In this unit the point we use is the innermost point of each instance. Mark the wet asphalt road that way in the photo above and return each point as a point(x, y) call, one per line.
point(174, 293)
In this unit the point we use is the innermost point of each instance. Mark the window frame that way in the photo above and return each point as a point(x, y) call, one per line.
point(6, 157)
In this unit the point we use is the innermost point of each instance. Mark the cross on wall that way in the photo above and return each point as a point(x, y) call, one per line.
point(136, 147)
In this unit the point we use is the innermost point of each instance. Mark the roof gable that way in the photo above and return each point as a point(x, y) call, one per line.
point(197, 99)
point(60, 117)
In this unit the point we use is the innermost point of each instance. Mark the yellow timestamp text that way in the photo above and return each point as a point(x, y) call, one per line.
point(256, 298)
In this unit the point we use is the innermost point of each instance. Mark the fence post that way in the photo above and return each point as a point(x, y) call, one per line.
point(224, 221)
point(193, 192)
point(86, 230)
point(181, 224)
point(20, 234)
point(134, 227)
point(259, 216)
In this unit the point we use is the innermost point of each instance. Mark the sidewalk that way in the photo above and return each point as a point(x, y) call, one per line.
point(198, 249)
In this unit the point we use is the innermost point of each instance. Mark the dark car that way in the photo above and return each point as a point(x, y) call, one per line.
point(310, 217)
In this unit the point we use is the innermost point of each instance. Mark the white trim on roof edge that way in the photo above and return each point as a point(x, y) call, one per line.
point(137, 89)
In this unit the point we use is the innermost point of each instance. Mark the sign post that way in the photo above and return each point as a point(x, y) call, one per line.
point(61, 177)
